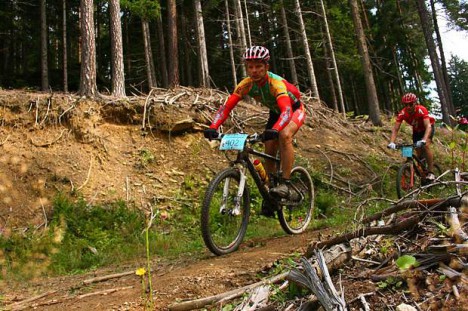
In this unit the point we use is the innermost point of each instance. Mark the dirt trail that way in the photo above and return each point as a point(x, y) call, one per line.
point(172, 281)
point(51, 143)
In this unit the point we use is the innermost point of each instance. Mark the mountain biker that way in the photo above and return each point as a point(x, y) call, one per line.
point(287, 113)
point(423, 129)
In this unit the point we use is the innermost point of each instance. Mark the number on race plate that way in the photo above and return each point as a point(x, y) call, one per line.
point(233, 142)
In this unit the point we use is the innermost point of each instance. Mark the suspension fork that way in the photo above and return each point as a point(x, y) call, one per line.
point(237, 200)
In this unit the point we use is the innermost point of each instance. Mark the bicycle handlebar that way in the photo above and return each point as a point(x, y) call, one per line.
point(399, 146)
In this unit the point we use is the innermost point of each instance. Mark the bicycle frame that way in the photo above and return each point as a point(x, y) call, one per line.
point(417, 165)
point(244, 160)
point(226, 205)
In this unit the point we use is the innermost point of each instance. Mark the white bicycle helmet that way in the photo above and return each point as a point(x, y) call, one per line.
point(257, 53)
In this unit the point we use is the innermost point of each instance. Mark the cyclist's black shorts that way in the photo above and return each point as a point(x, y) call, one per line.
point(419, 135)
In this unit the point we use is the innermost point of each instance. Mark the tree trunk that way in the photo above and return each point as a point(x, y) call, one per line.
point(186, 77)
point(249, 37)
point(231, 50)
point(442, 59)
point(289, 51)
point(240, 31)
point(44, 65)
point(203, 57)
point(329, 77)
point(88, 85)
point(332, 54)
point(162, 62)
point(118, 75)
point(173, 50)
point(373, 102)
point(427, 30)
point(148, 54)
point(98, 23)
point(310, 65)
point(64, 46)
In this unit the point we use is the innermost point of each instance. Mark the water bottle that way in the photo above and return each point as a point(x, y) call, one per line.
point(261, 170)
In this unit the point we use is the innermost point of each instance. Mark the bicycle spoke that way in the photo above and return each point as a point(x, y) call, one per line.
point(225, 213)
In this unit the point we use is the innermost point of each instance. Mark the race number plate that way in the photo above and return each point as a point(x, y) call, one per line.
point(233, 142)
point(407, 151)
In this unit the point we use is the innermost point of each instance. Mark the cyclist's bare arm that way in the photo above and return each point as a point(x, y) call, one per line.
point(395, 130)
point(427, 132)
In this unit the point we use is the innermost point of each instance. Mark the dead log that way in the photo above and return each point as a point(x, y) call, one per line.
point(105, 292)
point(452, 274)
point(200, 303)
point(410, 222)
point(460, 249)
point(420, 204)
point(324, 291)
point(399, 227)
point(21, 305)
point(456, 231)
point(107, 277)
point(258, 299)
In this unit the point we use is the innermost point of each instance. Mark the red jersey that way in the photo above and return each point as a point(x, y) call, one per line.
point(415, 119)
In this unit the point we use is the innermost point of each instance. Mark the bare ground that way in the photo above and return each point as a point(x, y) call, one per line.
point(51, 143)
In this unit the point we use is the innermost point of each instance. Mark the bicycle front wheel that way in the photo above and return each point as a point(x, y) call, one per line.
point(295, 217)
point(406, 181)
point(225, 215)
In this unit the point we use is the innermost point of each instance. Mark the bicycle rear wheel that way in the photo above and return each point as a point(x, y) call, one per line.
point(406, 181)
point(295, 218)
point(224, 216)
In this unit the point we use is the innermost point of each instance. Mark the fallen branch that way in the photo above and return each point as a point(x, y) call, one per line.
point(3, 142)
point(23, 304)
point(456, 230)
point(107, 277)
point(143, 126)
point(406, 224)
point(421, 204)
point(325, 291)
point(257, 299)
point(87, 176)
point(200, 303)
point(104, 292)
point(452, 274)
point(334, 258)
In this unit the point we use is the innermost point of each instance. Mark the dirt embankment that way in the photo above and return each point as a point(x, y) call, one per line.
point(142, 151)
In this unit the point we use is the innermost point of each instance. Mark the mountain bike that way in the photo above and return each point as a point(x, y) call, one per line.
point(412, 174)
point(226, 206)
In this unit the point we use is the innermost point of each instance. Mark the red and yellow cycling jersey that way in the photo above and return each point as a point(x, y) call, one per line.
point(415, 119)
point(277, 94)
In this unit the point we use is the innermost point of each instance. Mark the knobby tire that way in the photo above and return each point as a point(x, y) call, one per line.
point(224, 232)
point(403, 181)
point(295, 219)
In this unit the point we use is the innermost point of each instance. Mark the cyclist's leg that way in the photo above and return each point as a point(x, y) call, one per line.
point(271, 146)
point(416, 137)
point(428, 152)
point(287, 149)
point(286, 141)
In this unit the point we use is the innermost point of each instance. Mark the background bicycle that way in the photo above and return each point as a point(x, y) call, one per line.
point(226, 205)
point(412, 174)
